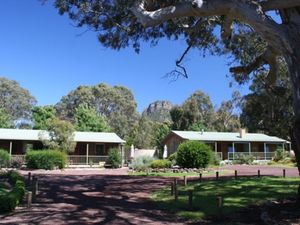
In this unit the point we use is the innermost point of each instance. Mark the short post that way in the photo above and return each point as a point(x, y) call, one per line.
point(190, 199)
point(235, 174)
point(175, 189)
point(200, 177)
point(185, 180)
point(172, 189)
point(29, 178)
point(217, 175)
point(284, 173)
point(34, 188)
point(29, 199)
point(220, 205)
point(258, 173)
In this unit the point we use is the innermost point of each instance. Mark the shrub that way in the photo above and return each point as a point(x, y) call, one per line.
point(141, 163)
point(4, 158)
point(9, 201)
point(193, 154)
point(114, 158)
point(45, 159)
point(161, 164)
point(241, 158)
point(280, 154)
point(173, 157)
point(216, 160)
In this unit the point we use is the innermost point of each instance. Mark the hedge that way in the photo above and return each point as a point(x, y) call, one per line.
point(45, 159)
point(10, 200)
point(160, 164)
point(194, 154)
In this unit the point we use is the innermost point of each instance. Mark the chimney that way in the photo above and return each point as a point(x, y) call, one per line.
point(242, 133)
point(202, 131)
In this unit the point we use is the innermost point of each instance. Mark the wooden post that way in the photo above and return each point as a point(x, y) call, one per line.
point(172, 189)
point(34, 188)
point(217, 175)
point(29, 199)
point(185, 180)
point(220, 205)
point(10, 148)
point(175, 189)
point(87, 154)
point(29, 178)
point(258, 173)
point(200, 177)
point(235, 174)
point(284, 173)
point(190, 199)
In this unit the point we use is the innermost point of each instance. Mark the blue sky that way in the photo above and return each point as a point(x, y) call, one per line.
point(48, 56)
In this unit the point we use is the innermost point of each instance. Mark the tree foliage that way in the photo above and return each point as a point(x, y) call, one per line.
point(116, 104)
point(60, 135)
point(16, 101)
point(269, 110)
point(226, 117)
point(143, 134)
point(87, 119)
point(196, 113)
point(41, 116)
point(5, 120)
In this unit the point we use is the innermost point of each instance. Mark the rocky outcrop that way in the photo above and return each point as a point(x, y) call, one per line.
point(159, 111)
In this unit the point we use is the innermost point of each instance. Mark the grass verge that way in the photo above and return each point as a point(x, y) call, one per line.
point(237, 194)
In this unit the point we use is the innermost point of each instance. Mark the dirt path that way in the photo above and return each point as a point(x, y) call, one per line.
point(93, 199)
point(103, 197)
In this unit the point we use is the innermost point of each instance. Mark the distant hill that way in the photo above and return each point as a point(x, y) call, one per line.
point(159, 111)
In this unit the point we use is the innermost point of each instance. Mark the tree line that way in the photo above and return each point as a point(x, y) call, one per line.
point(104, 108)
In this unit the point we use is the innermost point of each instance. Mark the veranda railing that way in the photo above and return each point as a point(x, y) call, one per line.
point(256, 155)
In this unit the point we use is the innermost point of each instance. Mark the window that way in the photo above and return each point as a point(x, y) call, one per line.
point(100, 150)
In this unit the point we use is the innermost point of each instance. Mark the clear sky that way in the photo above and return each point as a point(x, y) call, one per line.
point(46, 54)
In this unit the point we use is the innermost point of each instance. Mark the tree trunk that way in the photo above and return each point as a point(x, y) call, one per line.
point(294, 69)
point(291, 19)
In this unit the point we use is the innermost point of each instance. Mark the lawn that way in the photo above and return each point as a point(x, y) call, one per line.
point(171, 174)
point(237, 194)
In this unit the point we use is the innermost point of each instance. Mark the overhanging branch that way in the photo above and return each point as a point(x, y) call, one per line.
point(279, 4)
point(269, 57)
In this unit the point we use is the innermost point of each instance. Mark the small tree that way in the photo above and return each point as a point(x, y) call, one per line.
point(60, 136)
point(114, 158)
point(87, 119)
point(41, 115)
point(193, 154)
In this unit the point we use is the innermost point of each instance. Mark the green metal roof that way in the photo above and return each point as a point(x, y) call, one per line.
point(227, 136)
point(34, 135)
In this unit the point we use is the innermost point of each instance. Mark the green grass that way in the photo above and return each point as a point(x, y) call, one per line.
point(237, 194)
point(171, 174)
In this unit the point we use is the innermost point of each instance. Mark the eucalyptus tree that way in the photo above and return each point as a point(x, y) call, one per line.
point(248, 31)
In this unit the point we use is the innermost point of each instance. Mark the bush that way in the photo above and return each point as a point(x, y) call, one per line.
point(280, 154)
point(173, 157)
point(216, 160)
point(241, 158)
point(9, 201)
point(141, 163)
point(4, 158)
point(161, 164)
point(45, 159)
point(193, 154)
point(114, 158)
